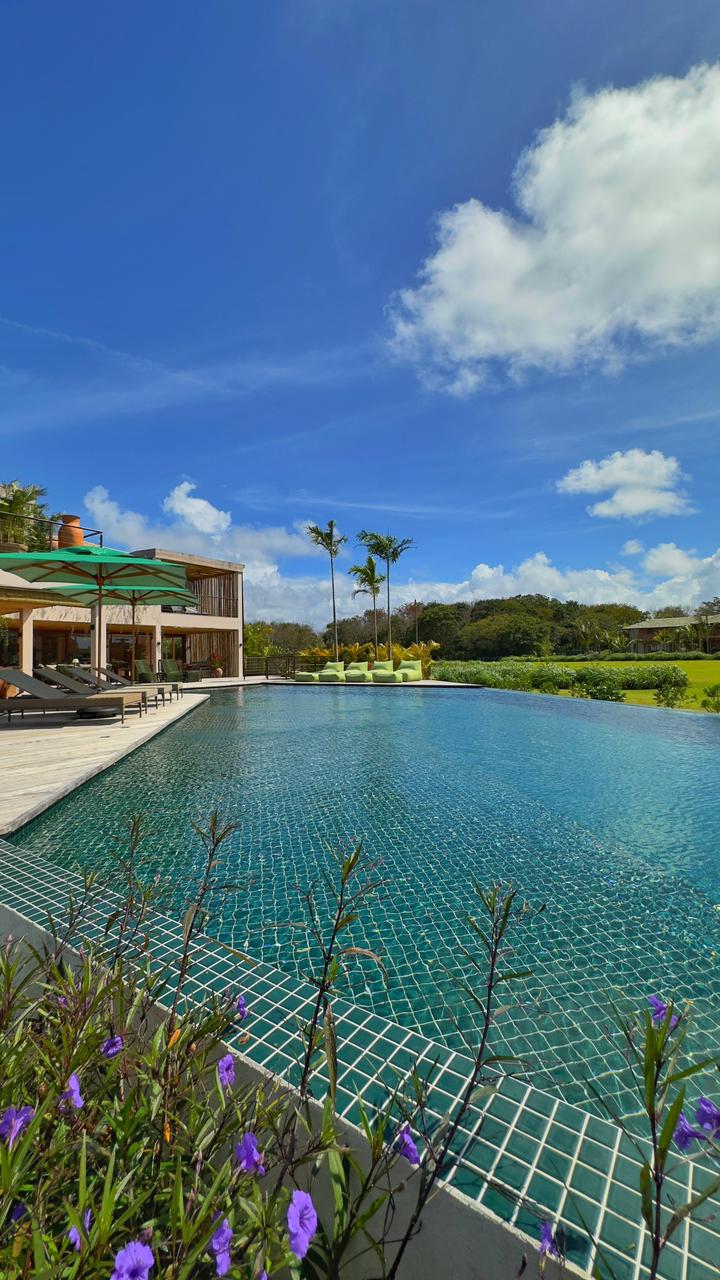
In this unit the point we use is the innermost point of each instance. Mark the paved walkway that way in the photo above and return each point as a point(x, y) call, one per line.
point(44, 757)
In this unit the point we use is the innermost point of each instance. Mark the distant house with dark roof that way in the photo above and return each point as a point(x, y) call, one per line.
point(676, 635)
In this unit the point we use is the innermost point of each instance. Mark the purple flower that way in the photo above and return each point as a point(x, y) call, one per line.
point(220, 1245)
point(72, 1094)
point(112, 1046)
point(301, 1222)
point(405, 1146)
point(548, 1243)
point(133, 1262)
point(708, 1116)
point(226, 1071)
point(62, 1001)
point(13, 1122)
point(18, 1211)
point(241, 1008)
point(73, 1234)
point(248, 1156)
point(659, 1010)
point(684, 1134)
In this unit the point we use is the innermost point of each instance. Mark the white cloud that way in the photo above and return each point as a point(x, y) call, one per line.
point(198, 513)
point(640, 483)
point(669, 560)
point(255, 546)
point(671, 575)
point(613, 249)
point(632, 548)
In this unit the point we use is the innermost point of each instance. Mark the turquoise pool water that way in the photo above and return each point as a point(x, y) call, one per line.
point(608, 815)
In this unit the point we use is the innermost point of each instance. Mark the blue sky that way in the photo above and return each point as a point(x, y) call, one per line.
point(266, 264)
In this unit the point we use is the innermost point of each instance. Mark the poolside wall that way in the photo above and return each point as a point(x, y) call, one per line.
point(459, 1240)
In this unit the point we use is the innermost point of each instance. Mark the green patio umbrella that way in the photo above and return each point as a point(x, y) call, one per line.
point(97, 568)
point(133, 596)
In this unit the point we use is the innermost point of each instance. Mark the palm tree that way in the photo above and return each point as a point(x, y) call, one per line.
point(389, 549)
point(331, 541)
point(369, 583)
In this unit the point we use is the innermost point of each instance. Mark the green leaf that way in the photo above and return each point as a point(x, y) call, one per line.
point(669, 1127)
point(646, 1193)
point(517, 973)
point(330, 1046)
point(680, 1214)
point(691, 1071)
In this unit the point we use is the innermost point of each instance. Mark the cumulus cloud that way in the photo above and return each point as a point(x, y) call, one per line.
point(198, 513)
point(669, 574)
point(632, 548)
point(613, 248)
point(640, 483)
point(255, 546)
point(667, 560)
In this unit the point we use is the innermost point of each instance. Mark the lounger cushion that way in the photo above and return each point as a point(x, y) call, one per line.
point(387, 677)
point(307, 677)
point(383, 666)
point(332, 677)
point(410, 670)
point(358, 677)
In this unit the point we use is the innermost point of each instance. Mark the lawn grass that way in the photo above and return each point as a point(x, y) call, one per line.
point(700, 674)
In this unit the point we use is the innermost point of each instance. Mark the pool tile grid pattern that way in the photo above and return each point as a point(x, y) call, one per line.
point(608, 815)
point(524, 1155)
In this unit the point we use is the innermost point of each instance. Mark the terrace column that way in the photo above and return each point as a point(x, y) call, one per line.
point(155, 646)
point(27, 632)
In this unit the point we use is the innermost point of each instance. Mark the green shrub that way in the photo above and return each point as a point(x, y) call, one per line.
point(550, 678)
point(603, 686)
point(711, 701)
point(671, 687)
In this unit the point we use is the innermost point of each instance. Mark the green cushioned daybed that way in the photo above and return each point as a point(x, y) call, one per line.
point(410, 669)
point(333, 673)
point(357, 673)
point(382, 673)
point(307, 677)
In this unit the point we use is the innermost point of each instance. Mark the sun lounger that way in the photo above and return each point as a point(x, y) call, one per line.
point(333, 673)
point(37, 696)
point(53, 675)
point(307, 677)
point(169, 684)
point(383, 673)
point(410, 669)
point(358, 673)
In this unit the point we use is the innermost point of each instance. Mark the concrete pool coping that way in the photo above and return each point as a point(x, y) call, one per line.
point(526, 1155)
point(52, 758)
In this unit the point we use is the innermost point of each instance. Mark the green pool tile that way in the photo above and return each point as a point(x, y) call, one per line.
point(545, 1192)
point(704, 1243)
point(513, 1173)
point(588, 1183)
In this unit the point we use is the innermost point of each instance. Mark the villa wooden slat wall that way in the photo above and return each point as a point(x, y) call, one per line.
point(217, 595)
point(203, 646)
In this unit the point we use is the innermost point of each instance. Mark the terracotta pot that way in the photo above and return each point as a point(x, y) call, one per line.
point(217, 672)
point(70, 534)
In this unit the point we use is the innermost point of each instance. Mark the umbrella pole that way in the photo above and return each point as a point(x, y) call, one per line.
point(98, 641)
point(134, 638)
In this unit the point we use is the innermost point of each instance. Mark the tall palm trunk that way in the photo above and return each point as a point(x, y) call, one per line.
point(375, 624)
point(332, 584)
point(387, 563)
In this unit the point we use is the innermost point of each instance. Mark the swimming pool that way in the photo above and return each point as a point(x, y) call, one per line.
point(608, 815)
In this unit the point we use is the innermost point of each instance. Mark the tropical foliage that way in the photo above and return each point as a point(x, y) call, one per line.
point(24, 517)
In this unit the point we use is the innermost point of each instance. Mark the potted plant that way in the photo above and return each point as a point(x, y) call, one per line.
point(215, 663)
